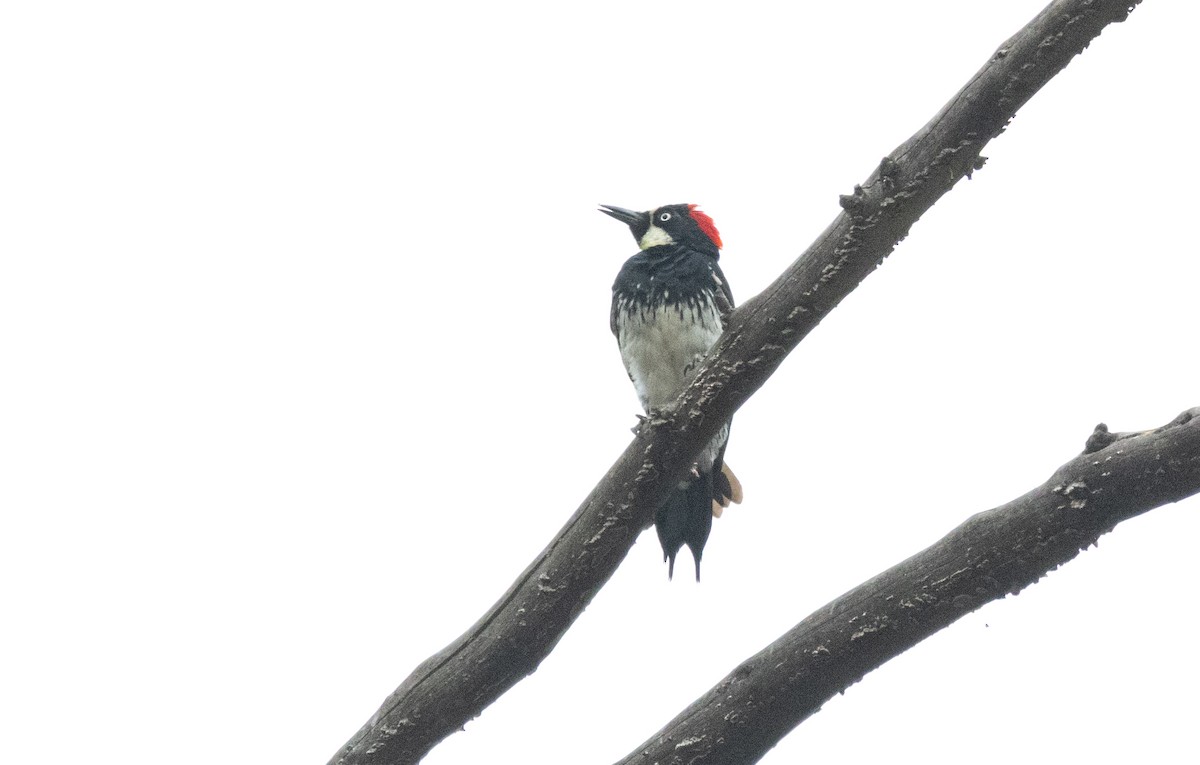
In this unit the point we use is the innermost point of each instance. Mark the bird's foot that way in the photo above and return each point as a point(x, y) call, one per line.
point(641, 423)
point(695, 362)
point(652, 417)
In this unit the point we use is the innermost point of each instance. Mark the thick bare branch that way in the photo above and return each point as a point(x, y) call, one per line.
point(994, 553)
point(521, 629)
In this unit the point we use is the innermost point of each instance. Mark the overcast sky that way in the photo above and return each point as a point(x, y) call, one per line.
point(304, 355)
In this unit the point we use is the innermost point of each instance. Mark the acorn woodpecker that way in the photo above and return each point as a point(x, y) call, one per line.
point(670, 303)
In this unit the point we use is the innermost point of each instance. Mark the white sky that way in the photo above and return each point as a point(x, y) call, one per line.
point(304, 354)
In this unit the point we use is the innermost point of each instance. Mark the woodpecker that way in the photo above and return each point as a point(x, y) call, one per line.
point(670, 304)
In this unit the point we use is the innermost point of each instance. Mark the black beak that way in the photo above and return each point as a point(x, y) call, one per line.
point(628, 217)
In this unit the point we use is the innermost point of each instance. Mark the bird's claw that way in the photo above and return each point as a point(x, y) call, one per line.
point(641, 423)
point(652, 417)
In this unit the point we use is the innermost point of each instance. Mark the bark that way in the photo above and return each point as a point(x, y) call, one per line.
point(521, 629)
point(1001, 551)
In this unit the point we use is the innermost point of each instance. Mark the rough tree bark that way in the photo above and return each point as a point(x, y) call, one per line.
point(511, 639)
point(1001, 551)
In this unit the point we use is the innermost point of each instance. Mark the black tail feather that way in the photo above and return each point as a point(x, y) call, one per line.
point(685, 519)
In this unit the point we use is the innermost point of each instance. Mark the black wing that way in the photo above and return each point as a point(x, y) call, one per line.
point(723, 297)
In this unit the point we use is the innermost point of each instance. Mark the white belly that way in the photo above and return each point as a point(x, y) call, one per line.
point(660, 347)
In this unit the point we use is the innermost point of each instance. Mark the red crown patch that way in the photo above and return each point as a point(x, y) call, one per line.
point(706, 225)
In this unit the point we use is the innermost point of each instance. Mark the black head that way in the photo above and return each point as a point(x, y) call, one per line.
point(671, 224)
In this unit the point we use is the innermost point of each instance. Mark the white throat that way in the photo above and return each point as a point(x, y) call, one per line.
point(654, 237)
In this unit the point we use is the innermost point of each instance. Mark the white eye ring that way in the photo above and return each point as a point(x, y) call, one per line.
point(665, 217)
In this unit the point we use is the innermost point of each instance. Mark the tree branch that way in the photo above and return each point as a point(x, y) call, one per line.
point(521, 629)
point(994, 553)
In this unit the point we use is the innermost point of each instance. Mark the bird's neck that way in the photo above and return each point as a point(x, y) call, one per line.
point(668, 274)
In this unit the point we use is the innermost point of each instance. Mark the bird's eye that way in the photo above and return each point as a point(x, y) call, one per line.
point(665, 217)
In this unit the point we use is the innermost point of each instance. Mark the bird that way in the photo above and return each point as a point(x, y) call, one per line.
point(670, 303)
